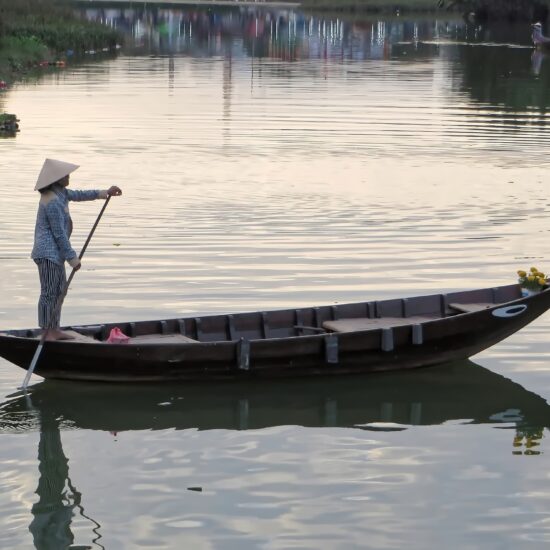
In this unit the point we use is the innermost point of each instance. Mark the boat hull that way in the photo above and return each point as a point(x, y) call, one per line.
point(441, 340)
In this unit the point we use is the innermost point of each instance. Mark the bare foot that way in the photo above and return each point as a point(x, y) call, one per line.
point(53, 334)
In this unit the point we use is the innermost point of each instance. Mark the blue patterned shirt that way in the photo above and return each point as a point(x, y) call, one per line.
point(54, 225)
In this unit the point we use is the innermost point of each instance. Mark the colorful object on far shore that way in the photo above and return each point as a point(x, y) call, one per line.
point(3, 85)
point(58, 63)
point(532, 280)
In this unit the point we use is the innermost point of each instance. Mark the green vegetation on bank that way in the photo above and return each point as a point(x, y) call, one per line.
point(35, 31)
point(16, 52)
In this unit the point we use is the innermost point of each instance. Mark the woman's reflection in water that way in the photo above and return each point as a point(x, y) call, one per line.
point(537, 57)
point(57, 496)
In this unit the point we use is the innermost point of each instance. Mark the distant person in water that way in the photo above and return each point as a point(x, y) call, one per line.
point(52, 245)
point(539, 40)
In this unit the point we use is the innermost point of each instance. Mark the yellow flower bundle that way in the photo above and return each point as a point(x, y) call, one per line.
point(532, 280)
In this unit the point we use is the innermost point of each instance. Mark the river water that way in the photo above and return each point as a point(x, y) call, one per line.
point(274, 159)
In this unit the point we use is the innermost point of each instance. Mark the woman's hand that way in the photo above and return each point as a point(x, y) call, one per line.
point(75, 263)
point(114, 191)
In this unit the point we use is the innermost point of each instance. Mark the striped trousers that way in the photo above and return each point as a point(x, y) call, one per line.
point(52, 284)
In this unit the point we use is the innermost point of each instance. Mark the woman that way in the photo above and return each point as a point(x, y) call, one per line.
point(52, 246)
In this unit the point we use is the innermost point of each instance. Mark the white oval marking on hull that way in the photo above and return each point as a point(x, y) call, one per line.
point(510, 311)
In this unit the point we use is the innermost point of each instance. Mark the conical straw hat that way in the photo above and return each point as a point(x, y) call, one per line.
point(52, 171)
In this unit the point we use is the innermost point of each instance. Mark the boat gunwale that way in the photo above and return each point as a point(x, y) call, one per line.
point(300, 337)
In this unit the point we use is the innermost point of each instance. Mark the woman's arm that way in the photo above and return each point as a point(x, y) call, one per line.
point(76, 195)
point(80, 195)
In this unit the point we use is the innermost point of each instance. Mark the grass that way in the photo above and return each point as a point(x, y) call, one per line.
point(18, 52)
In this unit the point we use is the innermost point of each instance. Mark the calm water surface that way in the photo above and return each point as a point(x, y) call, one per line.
point(272, 159)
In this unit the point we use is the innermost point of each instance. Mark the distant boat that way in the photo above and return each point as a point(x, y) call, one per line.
point(393, 334)
point(539, 40)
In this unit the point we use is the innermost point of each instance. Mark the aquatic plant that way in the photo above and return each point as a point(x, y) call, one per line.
point(8, 125)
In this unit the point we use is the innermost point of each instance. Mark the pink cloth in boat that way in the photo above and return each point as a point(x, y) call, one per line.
point(116, 336)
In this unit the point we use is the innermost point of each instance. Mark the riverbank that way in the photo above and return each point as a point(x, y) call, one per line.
point(36, 34)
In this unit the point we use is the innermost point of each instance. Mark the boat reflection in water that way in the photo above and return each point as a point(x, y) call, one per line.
point(390, 401)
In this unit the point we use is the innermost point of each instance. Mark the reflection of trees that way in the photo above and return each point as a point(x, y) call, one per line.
point(512, 10)
point(504, 76)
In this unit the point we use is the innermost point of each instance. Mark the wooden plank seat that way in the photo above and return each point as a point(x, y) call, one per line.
point(470, 308)
point(162, 339)
point(366, 323)
point(144, 339)
point(77, 337)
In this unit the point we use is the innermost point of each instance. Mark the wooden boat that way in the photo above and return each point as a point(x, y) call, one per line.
point(392, 334)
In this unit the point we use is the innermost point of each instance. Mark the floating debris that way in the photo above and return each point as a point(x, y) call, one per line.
point(197, 489)
point(9, 125)
point(381, 426)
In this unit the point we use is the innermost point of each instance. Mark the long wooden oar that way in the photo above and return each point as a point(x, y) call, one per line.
point(60, 302)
